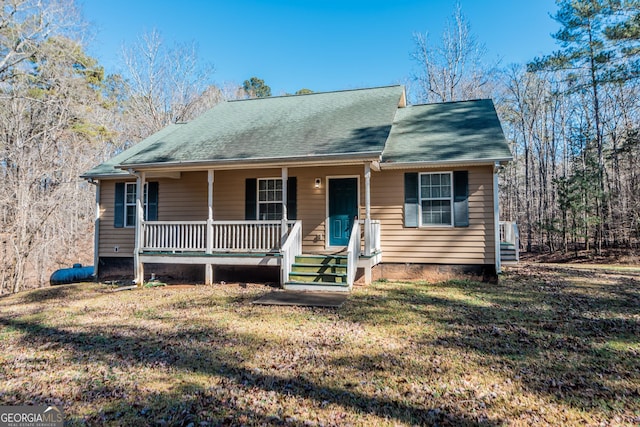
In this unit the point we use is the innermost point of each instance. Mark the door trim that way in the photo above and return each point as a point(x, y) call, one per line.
point(327, 238)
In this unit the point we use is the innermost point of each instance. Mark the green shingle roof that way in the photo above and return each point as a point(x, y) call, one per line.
point(347, 122)
point(446, 132)
point(364, 122)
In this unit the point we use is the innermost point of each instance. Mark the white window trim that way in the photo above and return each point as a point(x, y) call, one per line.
point(258, 202)
point(145, 201)
point(420, 199)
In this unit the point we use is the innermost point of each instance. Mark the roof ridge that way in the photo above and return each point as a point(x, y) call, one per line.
point(451, 102)
point(317, 93)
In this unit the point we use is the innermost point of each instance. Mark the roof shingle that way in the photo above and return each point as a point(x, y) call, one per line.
point(355, 121)
point(348, 123)
point(446, 132)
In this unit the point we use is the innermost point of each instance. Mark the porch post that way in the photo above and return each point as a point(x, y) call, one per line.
point(285, 177)
point(367, 209)
point(139, 228)
point(208, 279)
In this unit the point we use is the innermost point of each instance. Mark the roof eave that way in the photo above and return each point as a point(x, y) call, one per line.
point(321, 160)
point(98, 176)
point(449, 163)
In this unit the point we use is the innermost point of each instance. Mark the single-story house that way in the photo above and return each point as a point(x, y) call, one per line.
point(320, 187)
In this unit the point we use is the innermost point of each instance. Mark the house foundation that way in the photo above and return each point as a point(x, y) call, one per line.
point(432, 272)
point(121, 268)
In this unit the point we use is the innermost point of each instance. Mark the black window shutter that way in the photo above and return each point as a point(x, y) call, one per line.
point(152, 201)
point(250, 199)
point(461, 198)
point(292, 202)
point(118, 214)
point(411, 199)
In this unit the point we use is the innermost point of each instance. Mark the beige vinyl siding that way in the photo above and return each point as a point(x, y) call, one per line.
point(111, 237)
point(229, 189)
point(439, 245)
point(312, 202)
point(229, 197)
point(186, 199)
point(183, 199)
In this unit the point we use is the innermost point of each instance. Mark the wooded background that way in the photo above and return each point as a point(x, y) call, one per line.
point(571, 118)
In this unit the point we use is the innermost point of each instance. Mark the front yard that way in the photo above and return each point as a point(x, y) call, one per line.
point(548, 345)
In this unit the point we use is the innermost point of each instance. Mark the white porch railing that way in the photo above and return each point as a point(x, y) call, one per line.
point(374, 235)
point(353, 253)
point(174, 235)
point(509, 232)
point(291, 247)
point(225, 236)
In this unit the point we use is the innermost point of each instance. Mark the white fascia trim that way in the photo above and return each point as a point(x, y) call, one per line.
point(261, 163)
point(447, 163)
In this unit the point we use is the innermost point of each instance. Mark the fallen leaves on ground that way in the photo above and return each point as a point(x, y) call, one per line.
point(546, 345)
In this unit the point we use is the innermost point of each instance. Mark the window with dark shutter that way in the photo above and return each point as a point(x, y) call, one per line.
point(411, 206)
point(152, 201)
point(461, 198)
point(125, 203)
point(292, 199)
point(250, 199)
point(436, 199)
point(263, 198)
point(118, 214)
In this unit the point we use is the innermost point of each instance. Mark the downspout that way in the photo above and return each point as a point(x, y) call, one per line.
point(496, 218)
point(96, 229)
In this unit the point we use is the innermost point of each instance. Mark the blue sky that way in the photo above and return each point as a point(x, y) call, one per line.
point(320, 45)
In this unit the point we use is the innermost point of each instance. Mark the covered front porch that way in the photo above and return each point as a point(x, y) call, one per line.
point(259, 243)
point(281, 242)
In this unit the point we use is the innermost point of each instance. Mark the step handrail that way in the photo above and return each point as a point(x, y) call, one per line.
point(353, 253)
point(291, 247)
point(510, 234)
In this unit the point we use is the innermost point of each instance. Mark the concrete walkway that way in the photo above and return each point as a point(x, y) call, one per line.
point(303, 299)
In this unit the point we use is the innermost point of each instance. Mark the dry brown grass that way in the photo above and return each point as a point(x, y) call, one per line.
point(552, 346)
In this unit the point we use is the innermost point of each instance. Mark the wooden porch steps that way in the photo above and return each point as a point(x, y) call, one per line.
point(508, 253)
point(318, 273)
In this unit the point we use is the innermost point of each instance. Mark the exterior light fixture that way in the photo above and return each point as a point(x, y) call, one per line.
point(318, 182)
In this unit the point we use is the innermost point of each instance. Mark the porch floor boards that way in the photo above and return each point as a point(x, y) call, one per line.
point(211, 255)
point(216, 258)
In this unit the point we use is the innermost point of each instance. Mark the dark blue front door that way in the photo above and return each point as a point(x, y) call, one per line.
point(343, 209)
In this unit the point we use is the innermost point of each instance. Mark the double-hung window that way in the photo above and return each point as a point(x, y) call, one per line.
point(263, 198)
point(125, 203)
point(436, 199)
point(269, 198)
point(130, 203)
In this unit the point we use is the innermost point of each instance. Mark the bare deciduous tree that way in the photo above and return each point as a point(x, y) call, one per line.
point(25, 24)
point(451, 70)
point(162, 85)
point(50, 136)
